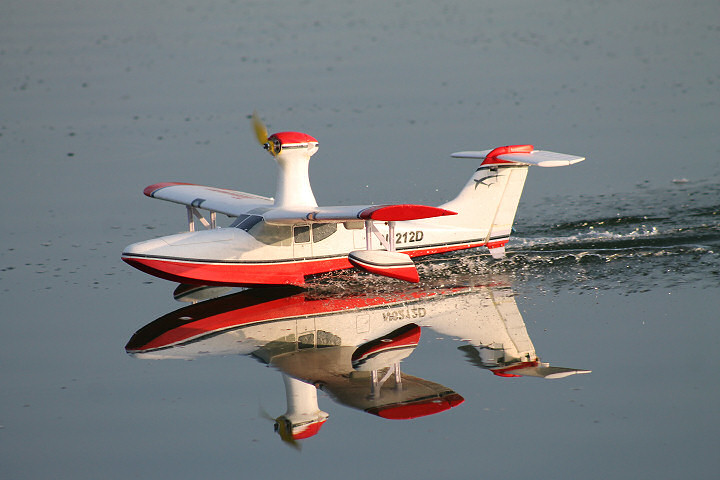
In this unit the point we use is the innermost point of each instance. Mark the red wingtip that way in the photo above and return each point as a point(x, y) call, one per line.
point(388, 213)
point(150, 190)
point(417, 409)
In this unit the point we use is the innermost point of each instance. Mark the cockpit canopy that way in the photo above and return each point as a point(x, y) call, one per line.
point(269, 234)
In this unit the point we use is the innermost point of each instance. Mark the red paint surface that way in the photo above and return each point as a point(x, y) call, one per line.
point(492, 156)
point(249, 275)
point(290, 273)
point(292, 137)
point(308, 431)
point(496, 244)
point(403, 212)
point(247, 308)
point(423, 408)
point(405, 272)
point(157, 186)
point(408, 336)
point(505, 371)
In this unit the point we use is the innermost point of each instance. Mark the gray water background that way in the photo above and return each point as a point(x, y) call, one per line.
point(615, 266)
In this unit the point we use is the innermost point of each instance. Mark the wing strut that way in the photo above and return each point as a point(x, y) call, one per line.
point(371, 229)
point(193, 213)
point(377, 384)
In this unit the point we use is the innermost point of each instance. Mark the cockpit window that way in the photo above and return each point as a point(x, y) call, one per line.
point(279, 235)
point(302, 233)
point(321, 231)
point(246, 222)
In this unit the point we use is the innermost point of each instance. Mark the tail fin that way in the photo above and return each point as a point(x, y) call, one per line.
point(490, 198)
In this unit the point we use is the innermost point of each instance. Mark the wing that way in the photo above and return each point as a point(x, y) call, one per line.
point(286, 216)
point(229, 202)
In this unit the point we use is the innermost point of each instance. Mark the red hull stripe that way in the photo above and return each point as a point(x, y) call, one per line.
point(497, 243)
point(421, 252)
point(244, 309)
point(255, 274)
point(239, 274)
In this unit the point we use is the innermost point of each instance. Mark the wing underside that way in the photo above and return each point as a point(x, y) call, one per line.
point(383, 213)
point(234, 203)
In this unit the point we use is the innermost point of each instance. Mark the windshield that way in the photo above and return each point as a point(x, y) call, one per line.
point(264, 232)
point(246, 222)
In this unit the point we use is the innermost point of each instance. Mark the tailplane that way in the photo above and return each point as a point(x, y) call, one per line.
point(490, 198)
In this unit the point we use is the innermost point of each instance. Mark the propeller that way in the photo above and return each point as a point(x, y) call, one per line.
point(261, 132)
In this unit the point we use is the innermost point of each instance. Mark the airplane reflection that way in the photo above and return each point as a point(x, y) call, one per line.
point(349, 346)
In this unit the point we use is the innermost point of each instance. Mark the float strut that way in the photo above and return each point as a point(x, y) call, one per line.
point(190, 218)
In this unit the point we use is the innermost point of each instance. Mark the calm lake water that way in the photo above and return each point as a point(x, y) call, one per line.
point(614, 267)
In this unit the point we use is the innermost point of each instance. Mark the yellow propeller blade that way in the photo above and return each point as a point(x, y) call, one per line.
point(260, 129)
point(282, 427)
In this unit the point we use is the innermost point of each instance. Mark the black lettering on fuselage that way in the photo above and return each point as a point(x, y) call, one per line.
point(405, 313)
point(408, 237)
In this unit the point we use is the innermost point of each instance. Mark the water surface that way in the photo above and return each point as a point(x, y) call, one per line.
point(613, 267)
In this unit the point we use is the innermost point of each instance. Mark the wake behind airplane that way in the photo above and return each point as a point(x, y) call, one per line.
point(288, 238)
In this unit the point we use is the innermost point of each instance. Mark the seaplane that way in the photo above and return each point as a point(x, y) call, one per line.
point(287, 239)
point(351, 346)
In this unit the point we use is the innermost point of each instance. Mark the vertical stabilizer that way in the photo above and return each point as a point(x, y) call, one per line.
point(490, 199)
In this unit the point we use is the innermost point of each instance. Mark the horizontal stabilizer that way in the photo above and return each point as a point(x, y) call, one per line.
point(538, 370)
point(384, 213)
point(389, 264)
point(541, 158)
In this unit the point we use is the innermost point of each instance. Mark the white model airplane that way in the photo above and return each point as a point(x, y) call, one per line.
point(285, 239)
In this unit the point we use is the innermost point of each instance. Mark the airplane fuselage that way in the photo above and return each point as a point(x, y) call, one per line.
point(252, 252)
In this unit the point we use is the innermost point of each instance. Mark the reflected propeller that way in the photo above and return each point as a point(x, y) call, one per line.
point(282, 427)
